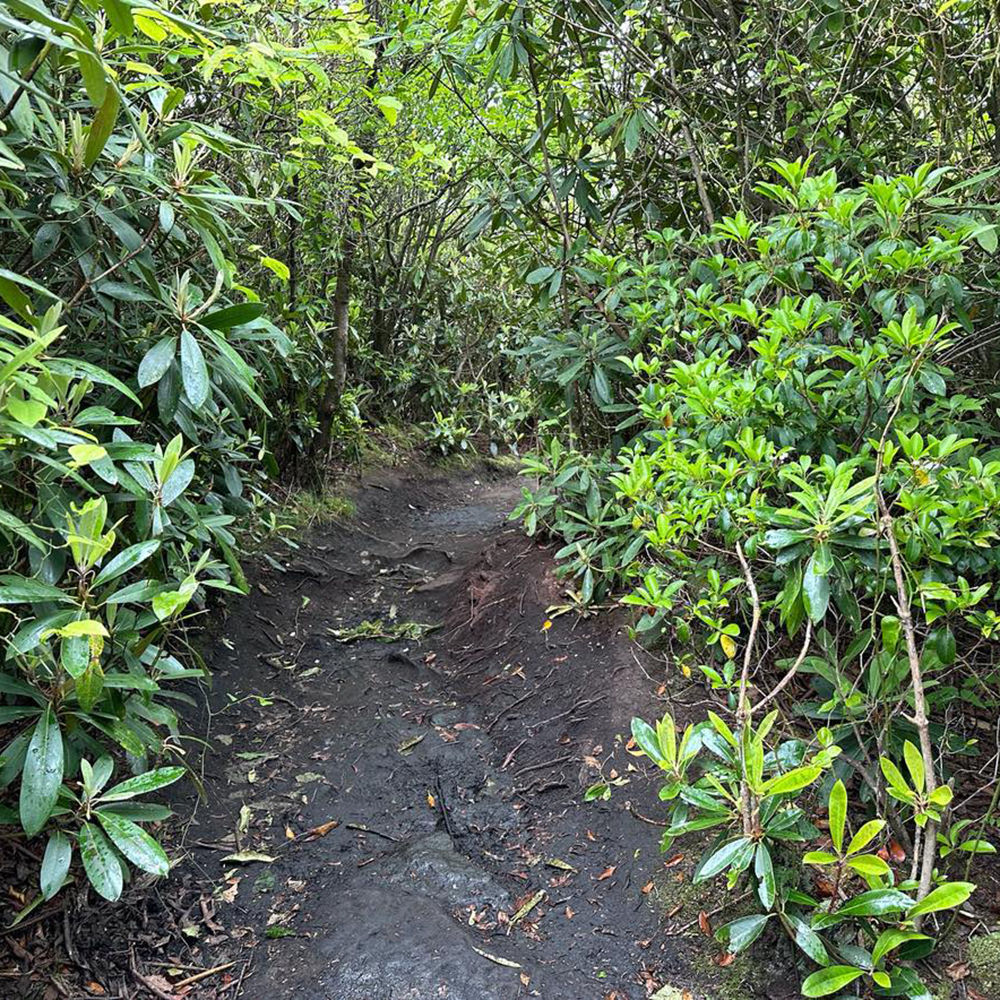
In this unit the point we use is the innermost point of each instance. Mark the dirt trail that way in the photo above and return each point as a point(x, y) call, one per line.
point(433, 786)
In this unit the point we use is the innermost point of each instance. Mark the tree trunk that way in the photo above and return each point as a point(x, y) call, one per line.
point(341, 330)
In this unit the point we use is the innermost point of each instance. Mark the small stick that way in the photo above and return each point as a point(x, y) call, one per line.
point(202, 975)
point(367, 829)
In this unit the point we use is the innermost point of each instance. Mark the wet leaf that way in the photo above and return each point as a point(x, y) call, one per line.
point(704, 924)
point(607, 873)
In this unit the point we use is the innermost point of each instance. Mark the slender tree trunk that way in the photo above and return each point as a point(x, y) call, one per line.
point(338, 346)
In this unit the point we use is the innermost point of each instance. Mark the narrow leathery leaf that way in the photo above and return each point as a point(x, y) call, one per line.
point(865, 835)
point(944, 897)
point(646, 739)
point(102, 126)
point(764, 870)
point(838, 814)
point(830, 980)
point(722, 859)
point(194, 371)
point(868, 864)
point(137, 845)
point(819, 858)
point(126, 560)
point(724, 731)
point(807, 939)
point(738, 935)
point(55, 863)
point(892, 938)
point(915, 765)
point(43, 773)
point(893, 775)
point(796, 779)
point(100, 862)
point(143, 783)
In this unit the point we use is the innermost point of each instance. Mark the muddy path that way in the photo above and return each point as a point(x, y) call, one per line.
point(402, 815)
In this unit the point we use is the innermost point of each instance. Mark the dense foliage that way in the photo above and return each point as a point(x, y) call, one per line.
point(723, 276)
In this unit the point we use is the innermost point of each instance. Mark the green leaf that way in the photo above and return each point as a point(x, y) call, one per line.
point(721, 859)
point(915, 765)
point(102, 126)
point(194, 372)
point(892, 938)
point(815, 591)
point(156, 361)
point(724, 731)
point(540, 274)
point(126, 560)
point(27, 590)
point(143, 783)
point(944, 897)
point(932, 382)
point(645, 737)
point(807, 939)
point(830, 980)
point(875, 903)
point(43, 773)
point(865, 835)
point(795, 779)
point(100, 862)
point(869, 864)
point(838, 814)
point(74, 655)
point(19, 528)
point(894, 777)
point(230, 316)
point(819, 858)
point(89, 685)
point(739, 934)
point(764, 870)
point(120, 16)
point(137, 845)
point(280, 268)
point(55, 863)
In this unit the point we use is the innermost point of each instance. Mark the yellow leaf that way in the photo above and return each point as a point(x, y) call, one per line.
point(728, 646)
point(547, 624)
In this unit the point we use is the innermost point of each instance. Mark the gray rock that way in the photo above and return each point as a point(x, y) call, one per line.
point(383, 944)
point(432, 867)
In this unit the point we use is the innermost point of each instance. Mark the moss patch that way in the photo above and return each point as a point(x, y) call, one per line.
point(984, 959)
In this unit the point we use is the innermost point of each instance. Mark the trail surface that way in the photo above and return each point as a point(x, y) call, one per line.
point(401, 815)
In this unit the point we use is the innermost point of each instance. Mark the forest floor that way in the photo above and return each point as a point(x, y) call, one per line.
point(395, 756)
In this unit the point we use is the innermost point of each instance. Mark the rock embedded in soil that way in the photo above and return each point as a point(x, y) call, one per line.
point(385, 944)
point(431, 866)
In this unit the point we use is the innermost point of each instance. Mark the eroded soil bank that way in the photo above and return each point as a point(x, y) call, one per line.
point(394, 788)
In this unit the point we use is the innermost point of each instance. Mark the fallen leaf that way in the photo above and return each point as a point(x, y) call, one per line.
point(96, 988)
point(525, 978)
point(675, 860)
point(570, 914)
point(703, 923)
point(957, 970)
point(726, 958)
point(289, 833)
point(407, 746)
point(308, 777)
point(528, 906)
point(559, 863)
point(590, 836)
point(897, 852)
point(647, 888)
point(320, 831)
point(607, 873)
point(496, 958)
point(244, 857)
point(431, 801)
